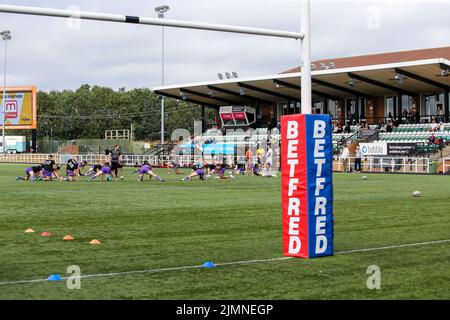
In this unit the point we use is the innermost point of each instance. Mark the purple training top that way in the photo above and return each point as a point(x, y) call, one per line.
point(70, 173)
point(145, 169)
point(200, 172)
point(106, 170)
point(28, 170)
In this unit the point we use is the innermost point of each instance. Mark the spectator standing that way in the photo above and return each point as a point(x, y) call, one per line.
point(358, 157)
point(344, 157)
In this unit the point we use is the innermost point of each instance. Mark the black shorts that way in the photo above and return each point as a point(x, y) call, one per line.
point(116, 165)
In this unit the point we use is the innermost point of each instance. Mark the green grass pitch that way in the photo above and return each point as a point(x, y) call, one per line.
point(153, 225)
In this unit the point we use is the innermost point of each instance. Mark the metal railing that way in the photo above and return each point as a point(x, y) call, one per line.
point(385, 164)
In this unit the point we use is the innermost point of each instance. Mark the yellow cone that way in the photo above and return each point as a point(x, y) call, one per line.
point(95, 241)
point(68, 237)
point(29, 231)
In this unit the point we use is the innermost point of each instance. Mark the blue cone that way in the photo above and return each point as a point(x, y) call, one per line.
point(54, 277)
point(209, 265)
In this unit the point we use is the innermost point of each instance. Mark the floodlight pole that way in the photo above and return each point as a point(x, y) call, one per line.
point(306, 88)
point(161, 10)
point(6, 35)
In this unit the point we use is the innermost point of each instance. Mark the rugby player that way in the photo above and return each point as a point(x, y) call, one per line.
point(49, 169)
point(104, 171)
point(81, 165)
point(220, 170)
point(147, 169)
point(93, 169)
point(71, 169)
point(196, 172)
point(31, 173)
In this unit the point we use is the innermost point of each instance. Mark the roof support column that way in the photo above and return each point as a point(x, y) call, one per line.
point(394, 103)
point(446, 105)
point(203, 119)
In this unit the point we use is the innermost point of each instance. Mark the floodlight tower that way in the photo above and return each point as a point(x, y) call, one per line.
point(161, 10)
point(6, 36)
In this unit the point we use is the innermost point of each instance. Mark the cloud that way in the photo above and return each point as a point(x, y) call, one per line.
point(51, 54)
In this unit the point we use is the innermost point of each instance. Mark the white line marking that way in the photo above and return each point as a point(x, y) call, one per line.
point(224, 263)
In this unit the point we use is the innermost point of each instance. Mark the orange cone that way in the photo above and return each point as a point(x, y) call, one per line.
point(46, 234)
point(29, 231)
point(68, 237)
point(95, 241)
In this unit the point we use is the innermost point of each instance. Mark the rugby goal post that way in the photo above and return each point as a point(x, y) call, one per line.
point(306, 152)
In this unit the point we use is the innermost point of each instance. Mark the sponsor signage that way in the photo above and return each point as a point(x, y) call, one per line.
point(20, 107)
point(374, 149)
point(401, 149)
point(307, 186)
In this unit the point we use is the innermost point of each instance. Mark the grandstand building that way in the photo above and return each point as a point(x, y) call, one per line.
point(401, 98)
point(366, 88)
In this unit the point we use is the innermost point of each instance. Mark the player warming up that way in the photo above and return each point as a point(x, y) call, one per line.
point(104, 171)
point(49, 169)
point(196, 172)
point(147, 169)
point(32, 173)
point(71, 170)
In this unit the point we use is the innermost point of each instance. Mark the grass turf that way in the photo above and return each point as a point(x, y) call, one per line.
point(155, 225)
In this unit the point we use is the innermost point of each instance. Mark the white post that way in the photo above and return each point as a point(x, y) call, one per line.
point(4, 98)
point(306, 95)
point(162, 84)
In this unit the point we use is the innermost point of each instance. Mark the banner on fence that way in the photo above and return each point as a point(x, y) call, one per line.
point(374, 149)
point(401, 149)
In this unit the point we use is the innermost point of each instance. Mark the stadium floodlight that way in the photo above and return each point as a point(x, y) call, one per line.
point(351, 82)
point(322, 66)
point(183, 95)
point(235, 75)
point(399, 78)
point(211, 93)
point(220, 76)
point(161, 10)
point(313, 67)
point(445, 72)
point(6, 36)
point(242, 91)
point(227, 75)
point(332, 65)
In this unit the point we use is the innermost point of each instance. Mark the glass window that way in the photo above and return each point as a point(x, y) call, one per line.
point(317, 107)
point(332, 108)
point(389, 107)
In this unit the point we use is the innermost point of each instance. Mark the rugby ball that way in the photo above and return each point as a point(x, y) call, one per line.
point(364, 177)
point(121, 177)
point(416, 194)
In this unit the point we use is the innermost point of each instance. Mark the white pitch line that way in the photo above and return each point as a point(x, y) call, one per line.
point(98, 275)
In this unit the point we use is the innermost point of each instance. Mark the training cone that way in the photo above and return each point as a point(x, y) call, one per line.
point(68, 237)
point(54, 277)
point(29, 231)
point(95, 241)
point(209, 264)
point(46, 234)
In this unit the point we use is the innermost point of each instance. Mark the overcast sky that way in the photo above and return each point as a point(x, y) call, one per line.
point(54, 53)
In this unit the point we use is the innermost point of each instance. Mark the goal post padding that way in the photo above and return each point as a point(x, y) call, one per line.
point(307, 185)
